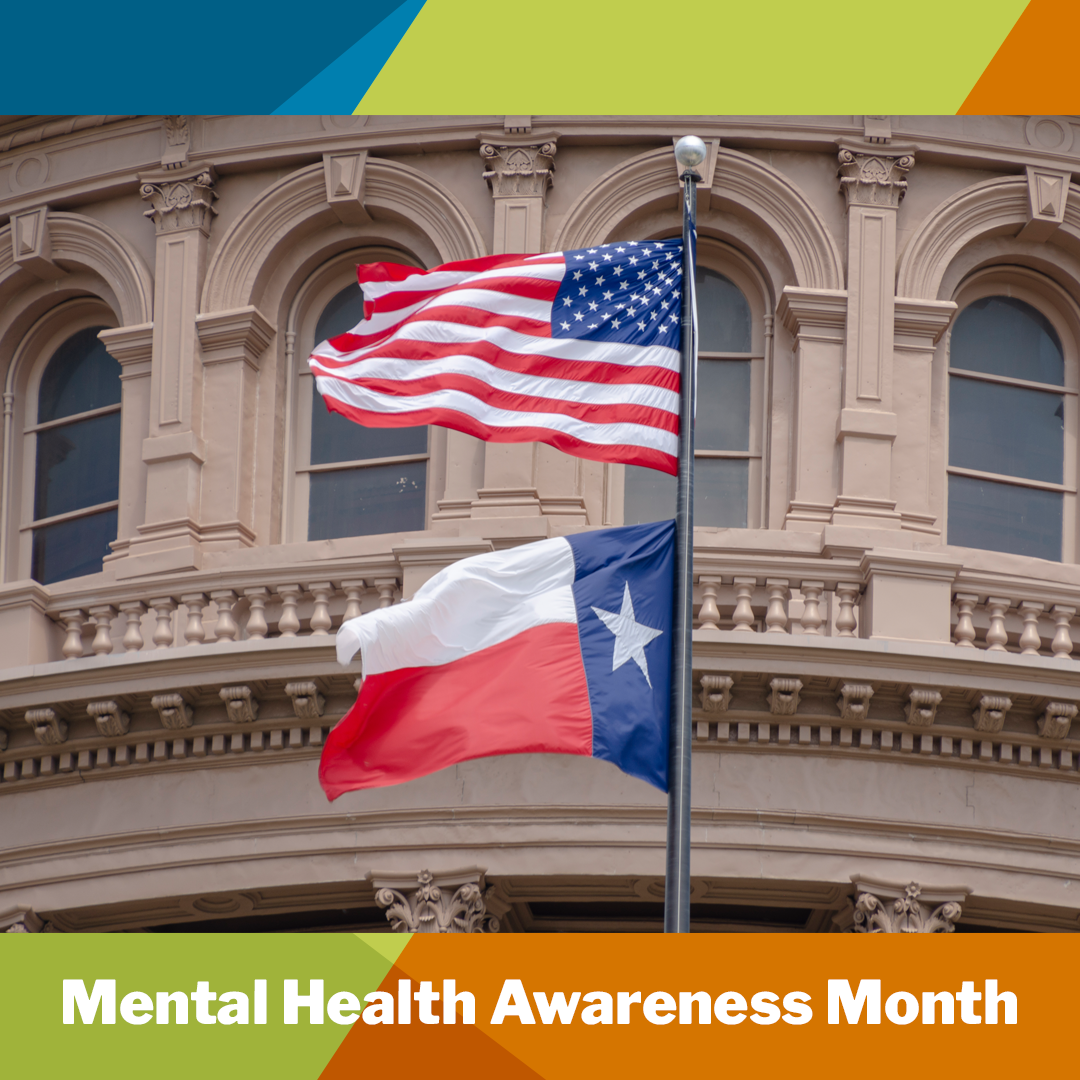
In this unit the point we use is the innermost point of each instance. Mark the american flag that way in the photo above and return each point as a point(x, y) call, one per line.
point(578, 349)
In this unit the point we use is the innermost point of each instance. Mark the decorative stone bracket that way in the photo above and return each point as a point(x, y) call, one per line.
point(109, 717)
point(784, 699)
point(447, 903)
point(990, 715)
point(884, 908)
point(1056, 719)
point(173, 711)
point(345, 174)
point(854, 701)
point(922, 707)
point(307, 702)
point(716, 692)
point(241, 706)
point(49, 729)
point(31, 246)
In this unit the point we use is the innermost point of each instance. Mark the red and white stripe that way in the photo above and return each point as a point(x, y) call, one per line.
point(468, 346)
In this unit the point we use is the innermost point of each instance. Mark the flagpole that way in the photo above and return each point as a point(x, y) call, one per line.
point(689, 152)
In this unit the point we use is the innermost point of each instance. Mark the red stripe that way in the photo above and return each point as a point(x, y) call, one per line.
point(461, 316)
point(586, 371)
point(589, 412)
point(620, 453)
point(527, 695)
point(530, 288)
point(400, 272)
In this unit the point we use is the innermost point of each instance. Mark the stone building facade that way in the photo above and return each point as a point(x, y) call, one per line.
point(885, 558)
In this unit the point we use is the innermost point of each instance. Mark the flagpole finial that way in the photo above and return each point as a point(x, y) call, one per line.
point(690, 151)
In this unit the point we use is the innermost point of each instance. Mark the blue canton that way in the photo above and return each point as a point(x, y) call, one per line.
point(629, 292)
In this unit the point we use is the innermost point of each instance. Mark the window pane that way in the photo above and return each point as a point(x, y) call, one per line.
point(361, 502)
point(723, 408)
point(72, 548)
point(1002, 336)
point(344, 312)
point(1004, 517)
point(333, 438)
point(81, 376)
point(1006, 429)
point(77, 465)
point(723, 314)
point(721, 486)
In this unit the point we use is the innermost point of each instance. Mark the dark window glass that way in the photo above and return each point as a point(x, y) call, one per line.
point(1002, 336)
point(77, 465)
point(344, 312)
point(723, 409)
point(1005, 517)
point(333, 438)
point(81, 376)
point(980, 413)
point(723, 314)
point(721, 487)
point(360, 502)
point(72, 548)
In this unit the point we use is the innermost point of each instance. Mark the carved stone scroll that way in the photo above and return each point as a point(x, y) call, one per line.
point(173, 711)
point(990, 715)
point(1056, 720)
point(109, 717)
point(922, 707)
point(307, 702)
point(49, 729)
point(716, 692)
point(854, 701)
point(905, 914)
point(784, 699)
point(241, 706)
point(435, 905)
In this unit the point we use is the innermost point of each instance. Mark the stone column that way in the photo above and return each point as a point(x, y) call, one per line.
point(523, 480)
point(872, 180)
point(181, 207)
point(886, 908)
point(446, 903)
point(815, 320)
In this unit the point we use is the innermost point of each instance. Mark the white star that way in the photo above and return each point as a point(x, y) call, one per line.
point(631, 637)
point(641, 325)
point(579, 316)
point(608, 295)
point(592, 251)
point(577, 275)
point(565, 325)
point(582, 291)
point(594, 266)
point(567, 301)
point(615, 324)
point(593, 305)
point(617, 270)
point(633, 261)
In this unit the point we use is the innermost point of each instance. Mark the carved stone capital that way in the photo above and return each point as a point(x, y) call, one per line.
point(873, 179)
point(854, 701)
point(179, 202)
point(109, 717)
point(307, 702)
point(1056, 719)
point(716, 692)
point(888, 910)
point(448, 903)
point(922, 707)
point(519, 170)
point(784, 698)
point(990, 715)
point(242, 707)
point(49, 729)
point(173, 711)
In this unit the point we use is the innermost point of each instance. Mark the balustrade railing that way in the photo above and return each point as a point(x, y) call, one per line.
point(1031, 627)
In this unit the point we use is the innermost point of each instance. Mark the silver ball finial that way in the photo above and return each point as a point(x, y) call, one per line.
point(690, 151)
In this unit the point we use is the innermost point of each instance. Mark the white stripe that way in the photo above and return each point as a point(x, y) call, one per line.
point(468, 606)
point(601, 434)
point(491, 303)
point(513, 382)
point(445, 279)
point(502, 337)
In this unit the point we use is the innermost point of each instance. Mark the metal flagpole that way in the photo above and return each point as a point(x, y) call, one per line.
point(689, 152)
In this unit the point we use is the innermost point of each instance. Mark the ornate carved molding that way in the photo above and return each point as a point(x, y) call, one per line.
point(921, 708)
point(49, 729)
point(1056, 719)
point(180, 202)
point(109, 717)
point(854, 701)
point(906, 913)
point(307, 702)
point(716, 692)
point(873, 179)
point(990, 715)
point(177, 142)
point(344, 174)
point(428, 906)
point(241, 706)
point(173, 711)
point(519, 170)
point(784, 696)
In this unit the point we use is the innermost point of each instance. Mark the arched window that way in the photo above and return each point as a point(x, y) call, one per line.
point(1012, 428)
point(727, 435)
point(75, 432)
point(352, 480)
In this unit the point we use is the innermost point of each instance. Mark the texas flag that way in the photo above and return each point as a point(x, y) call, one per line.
point(558, 647)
